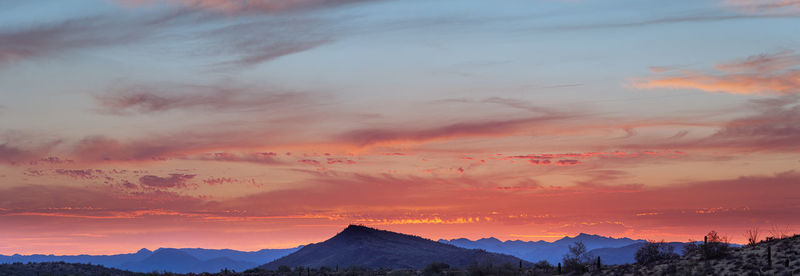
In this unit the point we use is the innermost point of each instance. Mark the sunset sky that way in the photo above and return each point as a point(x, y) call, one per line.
point(255, 124)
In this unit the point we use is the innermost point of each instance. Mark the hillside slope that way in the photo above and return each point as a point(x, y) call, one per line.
point(747, 260)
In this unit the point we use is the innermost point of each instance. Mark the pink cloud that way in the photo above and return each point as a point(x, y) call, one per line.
point(84, 174)
point(567, 162)
point(219, 180)
point(53, 160)
point(344, 161)
point(267, 158)
point(381, 136)
point(174, 180)
point(309, 162)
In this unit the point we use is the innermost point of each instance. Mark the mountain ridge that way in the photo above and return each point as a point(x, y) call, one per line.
point(534, 251)
point(202, 260)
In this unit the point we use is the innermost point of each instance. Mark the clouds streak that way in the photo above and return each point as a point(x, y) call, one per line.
point(769, 74)
point(132, 99)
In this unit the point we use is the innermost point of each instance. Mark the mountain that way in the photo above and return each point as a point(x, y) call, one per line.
point(167, 259)
point(164, 259)
point(104, 260)
point(535, 251)
point(176, 260)
point(626, 254)
point(368, 247)
point(258, 257)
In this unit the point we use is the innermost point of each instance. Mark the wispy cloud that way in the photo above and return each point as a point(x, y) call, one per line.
point(175, 180)
point(246, 6)
point(775, 74)
point(776, 127)
point(218, 40)
point(267, 158)
point(133, 99)
point(63, 37)
point(379, 136)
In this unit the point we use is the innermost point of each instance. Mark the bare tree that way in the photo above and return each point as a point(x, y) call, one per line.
point(578, 258)
point(752, 236)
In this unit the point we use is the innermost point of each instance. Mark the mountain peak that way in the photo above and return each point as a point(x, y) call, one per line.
point(144, 251)
point(490, 239)
point(358, 228)
point(354, 230)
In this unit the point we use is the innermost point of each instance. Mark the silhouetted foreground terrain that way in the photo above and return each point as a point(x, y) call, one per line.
point(772, 257)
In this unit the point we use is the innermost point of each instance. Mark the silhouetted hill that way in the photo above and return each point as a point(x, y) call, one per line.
point(368, 247)
point(535, 251)
point(58, 268)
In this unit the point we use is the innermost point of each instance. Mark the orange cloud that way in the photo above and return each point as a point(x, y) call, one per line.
point(774, 74)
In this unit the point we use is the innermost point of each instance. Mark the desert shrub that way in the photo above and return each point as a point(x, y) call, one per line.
point(752, 236)
point(577, 259)
point(489, 269)
point(715, 247)
point(284, 269)
point(543, 265)
point(654, 251)
point(671, 269)
point(435, 268)
point(400, 273)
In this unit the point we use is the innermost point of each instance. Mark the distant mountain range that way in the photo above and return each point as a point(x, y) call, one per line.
point(368, 247)
point(551, 252)
point(182, 260)
point(360, 246)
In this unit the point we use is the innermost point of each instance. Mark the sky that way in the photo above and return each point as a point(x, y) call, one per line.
point(254, 124)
